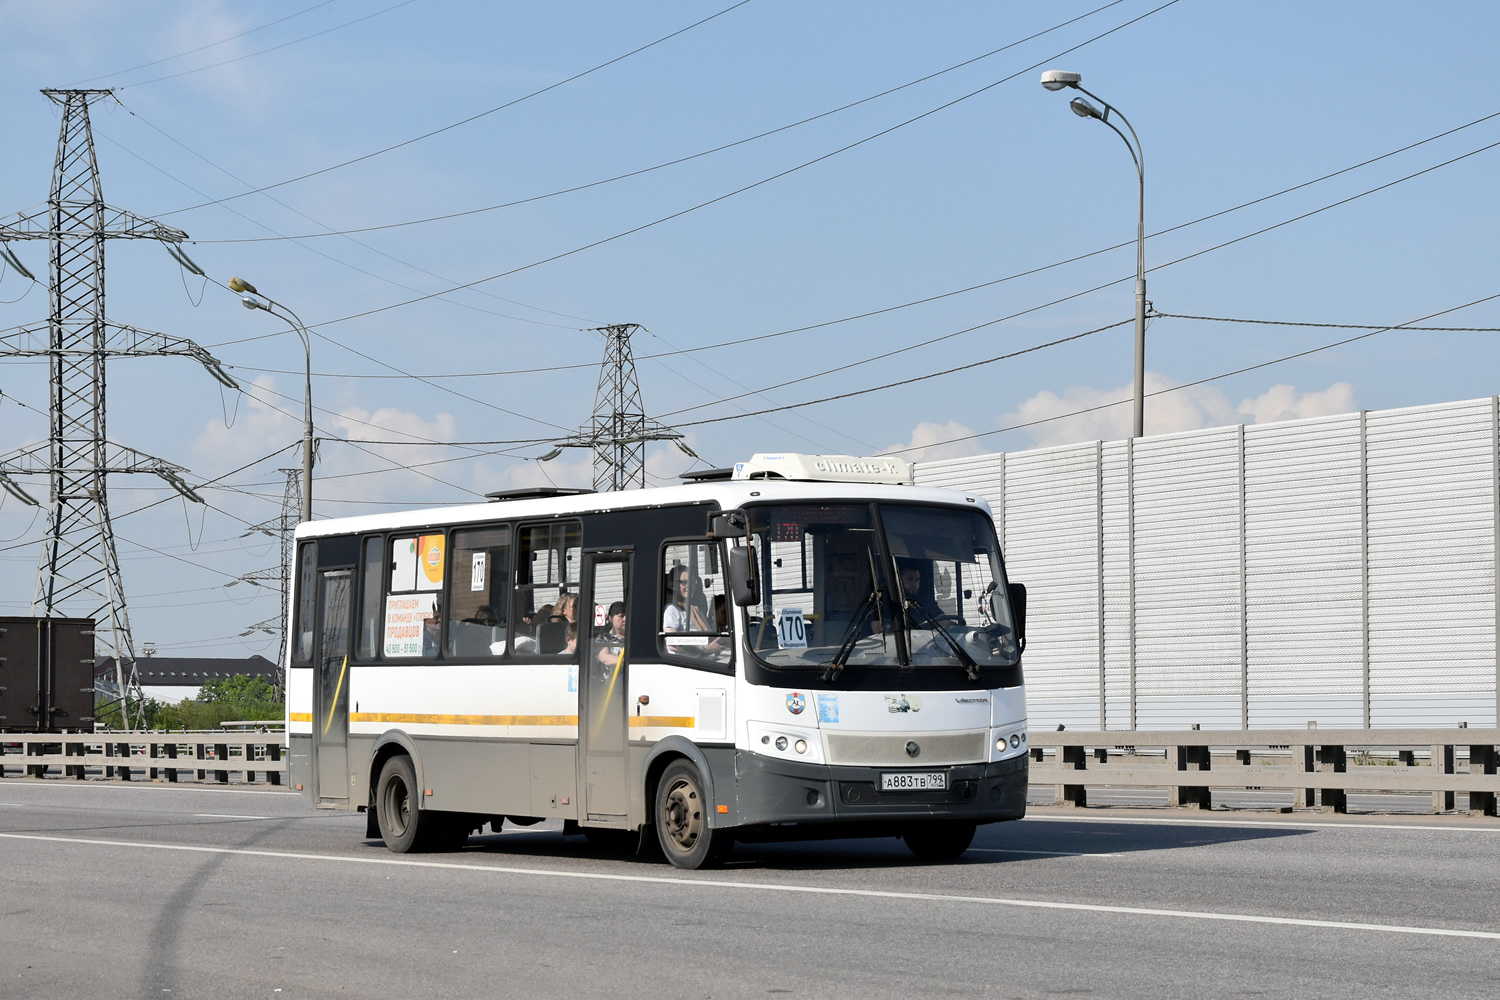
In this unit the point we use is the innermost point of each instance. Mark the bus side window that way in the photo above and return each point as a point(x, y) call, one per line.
point(372, 566)
point(413, 616)
point(548, 564)
point(307, 601)
point(694, 612)
point(479, 588)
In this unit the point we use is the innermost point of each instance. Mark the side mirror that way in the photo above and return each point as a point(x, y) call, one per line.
point(729, 524)
point(742, 580)
point(1018, 609)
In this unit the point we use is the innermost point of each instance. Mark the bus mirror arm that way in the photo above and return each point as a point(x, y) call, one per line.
point(729, 524)
point(742, 579)
point(1018, 607)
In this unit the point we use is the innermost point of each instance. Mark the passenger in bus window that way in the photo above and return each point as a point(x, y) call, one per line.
point(612, 640)
point(566, 608)
point(683, 615)
point(570, 645)
point(432, 629)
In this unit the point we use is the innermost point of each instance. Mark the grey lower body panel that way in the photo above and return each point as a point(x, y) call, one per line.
point(299, 764)
point(771, 792)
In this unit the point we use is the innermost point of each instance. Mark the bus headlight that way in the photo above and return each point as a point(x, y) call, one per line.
point(781, 743)
point(801, 746)
point(1015, 741)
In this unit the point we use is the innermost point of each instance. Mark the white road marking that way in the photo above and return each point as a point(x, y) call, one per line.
point(227, 816)
point(1290, 824)
point(1058, 854)
point(1037, 904)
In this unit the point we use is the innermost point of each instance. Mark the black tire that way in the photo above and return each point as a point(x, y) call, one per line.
point(683, 821)
point(396, 811)
point(404, 826)
point(940, 840)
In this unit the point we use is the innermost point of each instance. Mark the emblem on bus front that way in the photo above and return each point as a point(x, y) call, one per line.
point(796, 702)
point(902, 703)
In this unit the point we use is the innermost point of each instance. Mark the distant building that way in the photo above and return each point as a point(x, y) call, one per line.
point(172, 678)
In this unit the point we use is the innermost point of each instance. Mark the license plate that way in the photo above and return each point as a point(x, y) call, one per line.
point(913, 781)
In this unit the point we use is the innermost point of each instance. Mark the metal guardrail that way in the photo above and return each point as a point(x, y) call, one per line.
point(1321, 765)
point(121, 755)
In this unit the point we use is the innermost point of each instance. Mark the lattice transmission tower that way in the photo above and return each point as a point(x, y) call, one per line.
point(619, 429)
point(79, 571)
point(281, 527)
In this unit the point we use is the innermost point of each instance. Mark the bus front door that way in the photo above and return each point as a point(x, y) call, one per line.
point(604, 681)
point(331, 707)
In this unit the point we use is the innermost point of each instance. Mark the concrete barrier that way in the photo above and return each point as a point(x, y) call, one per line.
point(1319, 766)
point(162, 756)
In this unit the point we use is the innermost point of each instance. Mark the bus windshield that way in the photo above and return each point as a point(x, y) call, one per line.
point(852, 585)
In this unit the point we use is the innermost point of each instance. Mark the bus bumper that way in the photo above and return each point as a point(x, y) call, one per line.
point(770, 791)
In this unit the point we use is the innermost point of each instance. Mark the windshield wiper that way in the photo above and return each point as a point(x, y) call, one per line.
point(851, 637)
point(958, 651)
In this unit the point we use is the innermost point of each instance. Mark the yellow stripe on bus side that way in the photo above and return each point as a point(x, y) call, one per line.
point(636, 721)
point(465, 720)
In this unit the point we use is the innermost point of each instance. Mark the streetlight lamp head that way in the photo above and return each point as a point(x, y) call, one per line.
point(241, 285)
point(252, 301)
point(1057, 79)
point(1083, 109)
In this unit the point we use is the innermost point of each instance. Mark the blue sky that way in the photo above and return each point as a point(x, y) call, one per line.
point(1233, 102)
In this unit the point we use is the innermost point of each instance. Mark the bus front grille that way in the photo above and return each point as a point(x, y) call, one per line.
point(890, 749)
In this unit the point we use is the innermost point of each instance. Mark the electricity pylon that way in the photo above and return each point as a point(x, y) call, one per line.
point(281, 527)
point(79, 570)
point(619, 429)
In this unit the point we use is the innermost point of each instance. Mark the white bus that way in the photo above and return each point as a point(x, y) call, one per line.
point(800, 647)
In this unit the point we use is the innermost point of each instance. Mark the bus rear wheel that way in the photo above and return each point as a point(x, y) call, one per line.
point(682, 820)
point(404, 826)
point(940, 840)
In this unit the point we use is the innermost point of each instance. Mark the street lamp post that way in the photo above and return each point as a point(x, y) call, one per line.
point(1055, 79)
point(254, 300)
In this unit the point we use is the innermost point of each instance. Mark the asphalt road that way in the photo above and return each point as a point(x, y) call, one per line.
point(182, 892)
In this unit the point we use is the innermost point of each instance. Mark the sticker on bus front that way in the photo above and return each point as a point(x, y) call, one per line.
point(828, 708)
point(791, 629)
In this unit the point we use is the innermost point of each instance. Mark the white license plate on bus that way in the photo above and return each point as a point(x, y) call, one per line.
point(913, 781)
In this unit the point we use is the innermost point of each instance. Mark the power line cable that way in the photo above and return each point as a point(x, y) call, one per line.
point(1202, 381)
point(210, 45)
point(740, 190)
point(1153, 269)
point(907, 381)
point(273, 48)
point(457, 124)
point(681, 159)
point(321, 253)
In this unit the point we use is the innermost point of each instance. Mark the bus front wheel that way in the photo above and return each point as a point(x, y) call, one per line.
point(939, 840)
point(682, 819)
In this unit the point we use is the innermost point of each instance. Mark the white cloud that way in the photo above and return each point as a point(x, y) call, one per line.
point(1188, 409)
point(1284, 402)
point(934, 441)
point(254, 430)
point(1184, 410)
